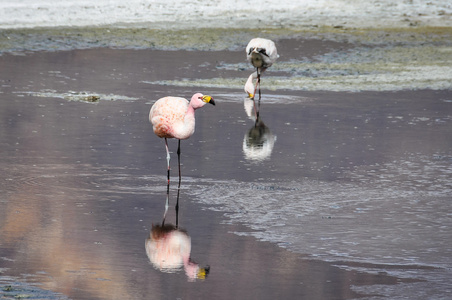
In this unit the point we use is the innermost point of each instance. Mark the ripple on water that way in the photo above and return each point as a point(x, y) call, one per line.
point(392, 216)
point(83, 96)
point(14, 288)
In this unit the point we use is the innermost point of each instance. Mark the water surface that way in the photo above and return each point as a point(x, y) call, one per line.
point(352, 198)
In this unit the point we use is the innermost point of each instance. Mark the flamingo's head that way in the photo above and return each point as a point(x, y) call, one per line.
point(199, 100)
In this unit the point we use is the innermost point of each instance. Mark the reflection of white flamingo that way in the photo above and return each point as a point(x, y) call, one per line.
point(168, 248)
point(248, 105)
point(174, 117)
point(258, 142)
point(261, 53)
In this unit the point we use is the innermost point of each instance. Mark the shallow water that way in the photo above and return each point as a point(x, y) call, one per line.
point(354, 188)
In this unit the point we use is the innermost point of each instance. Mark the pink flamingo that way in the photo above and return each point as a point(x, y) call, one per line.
point(174, 117)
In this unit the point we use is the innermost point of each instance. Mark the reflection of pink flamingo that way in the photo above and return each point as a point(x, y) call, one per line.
point(261, 53)
point(168, 248)
point(174, 117)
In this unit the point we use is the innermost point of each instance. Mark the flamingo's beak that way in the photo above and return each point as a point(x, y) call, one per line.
point(208, 99)
point(203, 272)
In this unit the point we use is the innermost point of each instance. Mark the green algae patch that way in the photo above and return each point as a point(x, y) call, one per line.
point(413, 57)
point(55, 39)
point(363, 68)
point(213, 39)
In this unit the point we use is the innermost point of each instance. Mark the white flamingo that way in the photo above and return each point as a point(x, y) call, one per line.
point(261, 53)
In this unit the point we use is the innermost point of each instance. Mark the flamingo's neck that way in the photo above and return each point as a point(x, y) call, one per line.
point(190, 111)
point(185, 129)
point(249, 85)
point(191, 269)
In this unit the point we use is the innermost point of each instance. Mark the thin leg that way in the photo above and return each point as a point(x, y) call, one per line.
point(257, 86)
point(255, 109)
point(257, 82)
point(177, 209)
point(168, 185)
point(166, 204)
point(178, 187)
point(167, 160)
point(178, 160)
point(259, 101)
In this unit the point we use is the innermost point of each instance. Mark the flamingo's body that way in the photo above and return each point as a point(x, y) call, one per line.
point(261, 53)
point(174, 117)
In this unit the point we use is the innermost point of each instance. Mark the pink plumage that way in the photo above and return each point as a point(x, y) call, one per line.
point(174, 117)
